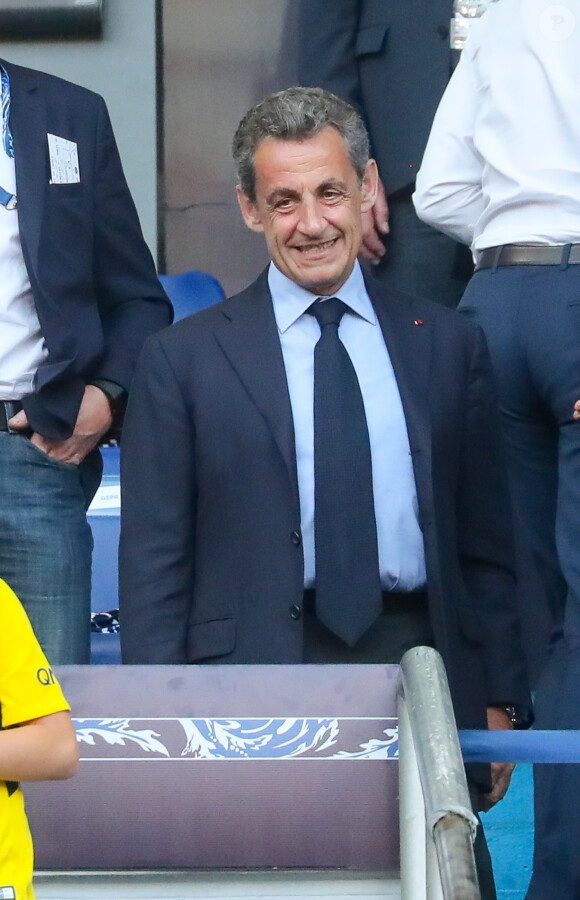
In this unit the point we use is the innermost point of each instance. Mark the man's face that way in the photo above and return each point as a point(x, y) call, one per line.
point(308, 205)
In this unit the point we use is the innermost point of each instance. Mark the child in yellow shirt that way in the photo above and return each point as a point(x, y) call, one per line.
point(37, 739)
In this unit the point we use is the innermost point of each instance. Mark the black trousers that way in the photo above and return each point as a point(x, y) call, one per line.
point(403, 624)
point(420, 260)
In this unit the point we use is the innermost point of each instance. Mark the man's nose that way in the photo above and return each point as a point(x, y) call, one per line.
point(312, 221)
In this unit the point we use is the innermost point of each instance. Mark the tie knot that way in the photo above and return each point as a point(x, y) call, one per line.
point(328, 312)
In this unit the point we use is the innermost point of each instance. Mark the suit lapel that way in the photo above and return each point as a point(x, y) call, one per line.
point(409, 339)
point(248, 335)
point(28, 126)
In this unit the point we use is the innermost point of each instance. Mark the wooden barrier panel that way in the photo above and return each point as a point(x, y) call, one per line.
point(225, 767)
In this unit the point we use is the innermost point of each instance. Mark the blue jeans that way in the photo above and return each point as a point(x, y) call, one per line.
point(45, 546)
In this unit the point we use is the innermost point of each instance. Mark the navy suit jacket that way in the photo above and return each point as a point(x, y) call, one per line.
point(93, 279)
point(390, 59)
point(211, 560)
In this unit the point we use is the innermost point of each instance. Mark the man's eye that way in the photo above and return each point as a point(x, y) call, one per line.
point(284, 204)
point(330, 196)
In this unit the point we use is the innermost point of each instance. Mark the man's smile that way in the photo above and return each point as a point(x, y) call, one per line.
point(315, 249)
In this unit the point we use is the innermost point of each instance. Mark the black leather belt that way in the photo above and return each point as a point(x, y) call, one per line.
point(8, 408)
point(529, 255)
point(406, 602)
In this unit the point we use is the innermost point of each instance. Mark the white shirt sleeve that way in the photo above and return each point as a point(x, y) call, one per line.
point(448, 192)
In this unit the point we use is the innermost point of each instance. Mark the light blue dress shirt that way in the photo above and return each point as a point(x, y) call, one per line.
point(401, 552)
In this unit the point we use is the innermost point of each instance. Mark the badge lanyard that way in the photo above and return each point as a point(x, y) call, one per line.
point(6, 199)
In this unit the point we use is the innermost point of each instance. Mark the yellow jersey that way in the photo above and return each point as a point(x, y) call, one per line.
point(28, 690)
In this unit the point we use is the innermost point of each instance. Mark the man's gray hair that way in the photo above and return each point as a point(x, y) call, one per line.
point(298, 113)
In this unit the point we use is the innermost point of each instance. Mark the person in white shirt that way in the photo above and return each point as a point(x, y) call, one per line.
point(78, 296)
point(501, 172)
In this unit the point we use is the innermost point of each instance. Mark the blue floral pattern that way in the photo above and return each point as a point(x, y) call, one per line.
point(237, 738)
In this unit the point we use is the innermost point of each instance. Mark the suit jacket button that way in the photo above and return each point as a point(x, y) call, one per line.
point(295, 612)
point(296, 538)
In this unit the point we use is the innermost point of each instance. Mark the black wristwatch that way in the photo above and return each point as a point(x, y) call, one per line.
point(513, 715)
point(114, 393)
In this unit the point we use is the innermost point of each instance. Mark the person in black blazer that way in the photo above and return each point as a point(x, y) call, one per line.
point(220, 548)
point(214, 540)
point(87, 296)
point(392, 61)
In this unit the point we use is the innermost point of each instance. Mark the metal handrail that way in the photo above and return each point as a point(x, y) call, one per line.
point(437, 823)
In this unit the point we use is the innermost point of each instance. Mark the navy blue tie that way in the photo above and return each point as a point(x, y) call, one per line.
point(348, 589)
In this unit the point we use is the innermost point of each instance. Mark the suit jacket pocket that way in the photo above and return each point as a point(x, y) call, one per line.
point(214, 638)
point(371, 39)
point(469, 624)
point(68, 190)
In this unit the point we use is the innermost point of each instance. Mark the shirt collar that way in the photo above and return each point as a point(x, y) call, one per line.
point(290, 301)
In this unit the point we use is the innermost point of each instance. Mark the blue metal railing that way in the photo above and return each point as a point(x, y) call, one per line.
point(521, 746)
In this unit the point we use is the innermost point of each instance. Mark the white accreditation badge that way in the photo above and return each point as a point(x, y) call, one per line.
point(64, 160)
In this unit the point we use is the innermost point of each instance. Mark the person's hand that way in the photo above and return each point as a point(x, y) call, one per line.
point(374, 223)
point(501, 772)
point(93, 421)
point(576, 413)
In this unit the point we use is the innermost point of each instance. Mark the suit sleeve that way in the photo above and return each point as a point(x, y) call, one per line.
point(327, 40)
point(485, 538)
point(132, 303)
point(156, 566)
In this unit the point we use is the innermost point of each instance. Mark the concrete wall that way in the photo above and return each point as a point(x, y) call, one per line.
point(121, 67)
point(220, 57)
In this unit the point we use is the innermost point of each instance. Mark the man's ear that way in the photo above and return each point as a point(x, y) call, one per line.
point(369, 186)
point(249, 211)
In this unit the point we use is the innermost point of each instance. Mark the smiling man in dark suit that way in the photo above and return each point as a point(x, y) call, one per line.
point(78, 296)
point(277, 509)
